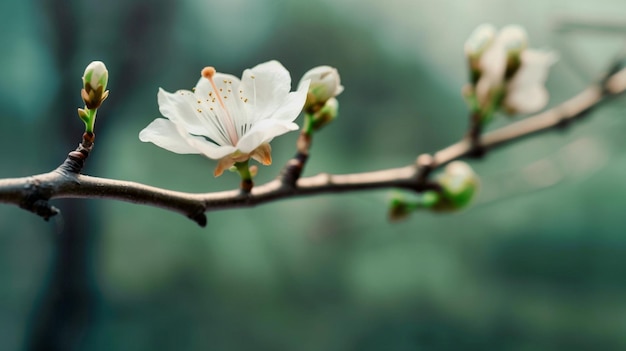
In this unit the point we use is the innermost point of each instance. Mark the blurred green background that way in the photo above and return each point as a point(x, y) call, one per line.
point(539, 263)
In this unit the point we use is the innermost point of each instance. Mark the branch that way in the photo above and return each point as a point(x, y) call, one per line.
point(32, 193)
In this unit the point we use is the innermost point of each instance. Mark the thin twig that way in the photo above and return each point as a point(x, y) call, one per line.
point(33, 193)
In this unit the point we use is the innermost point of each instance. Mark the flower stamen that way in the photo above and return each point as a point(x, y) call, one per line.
point(208, 73)
point(253, 88)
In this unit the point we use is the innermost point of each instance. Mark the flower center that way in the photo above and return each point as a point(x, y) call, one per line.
point(229, 123)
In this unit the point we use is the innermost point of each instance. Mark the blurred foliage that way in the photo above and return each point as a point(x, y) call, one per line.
point(522, 270)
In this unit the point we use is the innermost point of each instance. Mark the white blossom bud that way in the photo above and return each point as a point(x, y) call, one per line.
point(514, 39)
point(95, 80)
point(325, 83)
point(97, 75)
point(479, 40)
point(459, 184)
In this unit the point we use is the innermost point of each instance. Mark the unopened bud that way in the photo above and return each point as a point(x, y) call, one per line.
point(95, 80)
point(83, 115)
point(458, 184)
point(475, 46)
point(327, 114)
point(325, 84)
point(514, 40)
point(96, 74)
point(479, 40)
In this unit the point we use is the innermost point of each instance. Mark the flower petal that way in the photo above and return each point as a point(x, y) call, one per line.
point(529, 100)
point(534, 69)
point(526, 91)
point(187, 110)
point(209, 149)
point(176, 107)
point(493, 61)
point(263, 132)
point(493, 66)
point(265, 86)
point(292, 104)
point(164, 133)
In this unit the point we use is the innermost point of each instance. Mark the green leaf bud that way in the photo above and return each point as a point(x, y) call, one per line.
point(399, 208)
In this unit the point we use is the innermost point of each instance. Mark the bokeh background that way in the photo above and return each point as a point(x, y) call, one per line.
point(538, 263)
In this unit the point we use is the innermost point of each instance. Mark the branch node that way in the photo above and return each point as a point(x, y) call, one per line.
point(293, 170)
point(425, 161)
point(36, 202)
point(246, 186)
point(425, 165)
point(75, 160)
point(42, 208)
point(563, 123)
point(478, 152)
point(477, 149)
point(199, 218)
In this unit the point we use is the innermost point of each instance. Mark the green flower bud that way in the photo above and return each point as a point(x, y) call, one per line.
point(459, 184)
point(325, 84)
point(327, 114)
point(95, 81)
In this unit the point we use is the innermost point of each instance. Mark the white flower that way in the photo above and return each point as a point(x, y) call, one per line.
point(325, 84)
point(526, 91)
point(510, 41)
point(228, 119)
point(508, 64)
